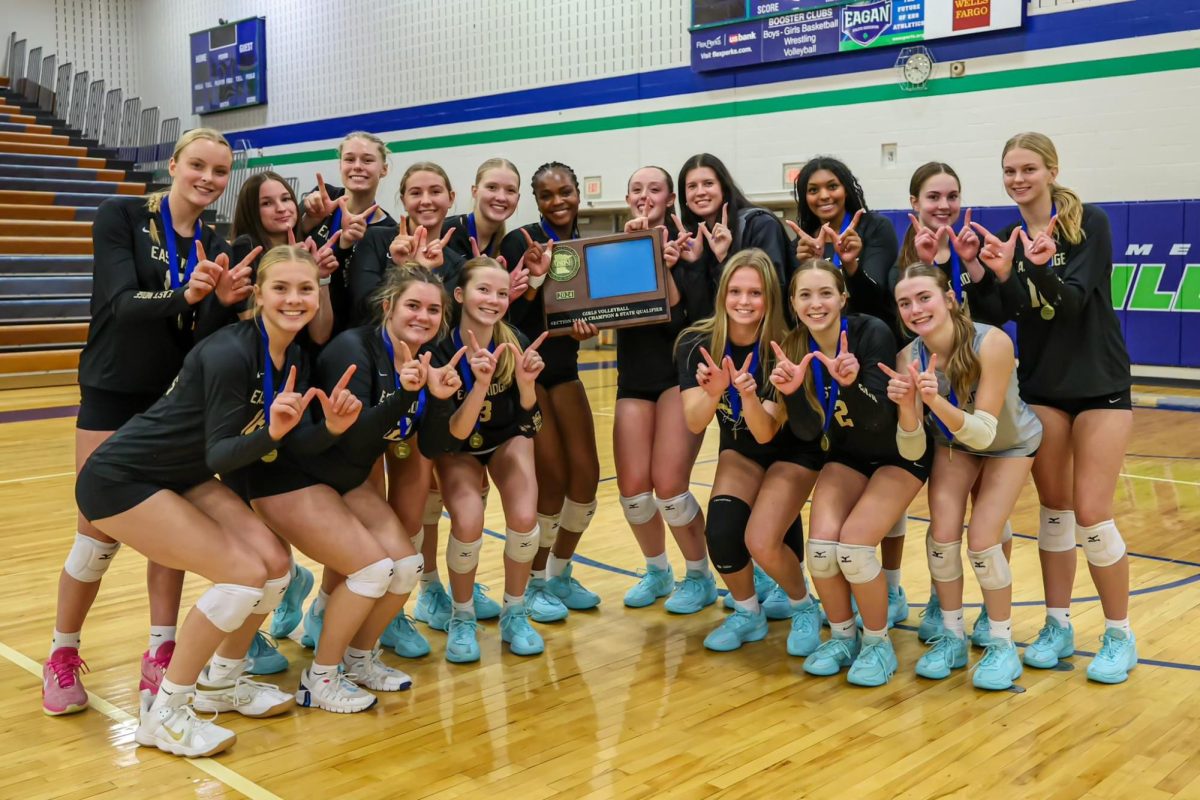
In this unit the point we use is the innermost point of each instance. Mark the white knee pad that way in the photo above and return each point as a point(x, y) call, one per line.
point(548, 524)
point(89, 558)
point(272, 594)
point(1056, 531)
point(433, 509)
point(372, 580)
point(576, 517)
point(462, 557)
point(679, 511)
point(405, 573)
point(991, 567)
point(822, 558)
point(1102, 543)
point(639, 509)
point(418, 541)
point(1006, 534)
point(521, 547)
point(945, 559)
point(227, 604)
point(900, 529)
point(858, 562)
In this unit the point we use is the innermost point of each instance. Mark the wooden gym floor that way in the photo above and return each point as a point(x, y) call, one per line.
point(627, 703)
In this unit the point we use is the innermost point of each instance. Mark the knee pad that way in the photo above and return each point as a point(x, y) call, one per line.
point(794, 537)
point(858, 562)
point(372, 580)
point(548, 524)
point(945, 559)
point(822, 559)
point(725, 530)
point(89, 558)
point(418, 541)
point(1006, 534)
point(462, 557)
point(680, 510)
point(227, 604)
point(521, 547)
point(576, 517)
point(272, 594)
point(991, 567)
point(900, 529)
point(639, 509)
point(405, 572)
point(433, 509)
point(1102, 543)
point(1056, 531)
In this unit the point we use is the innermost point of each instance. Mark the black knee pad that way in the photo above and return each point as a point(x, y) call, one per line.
point(794, 537)
point(725, 529)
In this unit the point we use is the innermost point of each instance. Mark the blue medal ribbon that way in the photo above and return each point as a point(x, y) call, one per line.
point(173, 253)
point(827, 392)
point(473, 232)
point(846, 218)
point(464, 368)
point(1053, 213)
point(956, 275)
point(268, 387)
point(549, 231)
point(336, 224)
point(406, 423)
point(953, 398)
point(735, 399)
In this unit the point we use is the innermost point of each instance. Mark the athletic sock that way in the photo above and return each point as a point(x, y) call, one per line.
point(893, 578)
point(355, 654)
point(429, 576)
point(700, 566)
point(160, 635)
point(172, 694)
point(1060, 615)
point(1119, 624)
point(870, 634)
point(751, 605)
point(316, 670)
point(511, 600)
point(466, 609)
point(953, 620)
point(318, 603)
point(842, 630)
point(539, 574)
point(803, 602)
point(221, 670)
point(557, 566)
point(659, 562)
point(64, 640)
point(1001, 629)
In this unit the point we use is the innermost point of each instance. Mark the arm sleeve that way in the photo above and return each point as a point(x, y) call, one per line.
point(115, 278)
point(911, 444)
point(226, 391)
point(866, 399)
point(1088, 267)
point(371, 261)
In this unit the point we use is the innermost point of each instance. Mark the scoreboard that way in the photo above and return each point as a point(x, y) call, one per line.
point(229, 66)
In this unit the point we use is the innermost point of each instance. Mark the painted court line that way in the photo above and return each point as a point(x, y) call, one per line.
point(36, 478)
point(1160, 480)
point(215, 769)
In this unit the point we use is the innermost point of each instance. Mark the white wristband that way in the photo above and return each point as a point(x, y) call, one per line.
point(324, 281)
point(536, 281)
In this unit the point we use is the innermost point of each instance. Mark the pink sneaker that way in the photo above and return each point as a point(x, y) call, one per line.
point(154, 667)
point(62, 691)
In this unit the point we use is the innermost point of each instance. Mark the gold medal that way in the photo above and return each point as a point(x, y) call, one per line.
point(825, 442)
point(476, 440)
point(1047, 313)
point(271, 456)
point(401, 450)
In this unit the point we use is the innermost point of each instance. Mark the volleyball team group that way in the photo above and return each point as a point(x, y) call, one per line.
point(337, 377)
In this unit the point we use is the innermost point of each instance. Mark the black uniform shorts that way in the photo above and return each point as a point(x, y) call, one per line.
point(1075, 406)
point(918, 469)
point(100, 495)
point(103, 410)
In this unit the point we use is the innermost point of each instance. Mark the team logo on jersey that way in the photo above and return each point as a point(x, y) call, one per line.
point(564, 264)
point(863, 23)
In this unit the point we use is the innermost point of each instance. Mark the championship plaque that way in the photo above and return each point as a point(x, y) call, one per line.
point(616, 281)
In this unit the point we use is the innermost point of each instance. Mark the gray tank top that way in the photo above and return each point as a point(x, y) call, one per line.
point(1018, 430)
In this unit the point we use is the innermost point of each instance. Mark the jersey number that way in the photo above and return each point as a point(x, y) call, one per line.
point(842, 415)
point(1035, 297)
point(485, 412)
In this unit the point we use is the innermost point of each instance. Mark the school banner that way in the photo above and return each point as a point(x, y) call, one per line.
point(1155, 278)
point(738, 33)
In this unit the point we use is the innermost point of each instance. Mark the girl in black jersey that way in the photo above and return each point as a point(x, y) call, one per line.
point(835, 224)
point(155, 292)
point(151, 485)
point(936, 199)
point(986, 439)
point(568, 466)
point(653, 449)
point(495, 195)
point(724, 362)
point(496, 416)
point(1055, 270)
point(865, 485)
point(351, 210)
point(329, 509)
point(722, 221)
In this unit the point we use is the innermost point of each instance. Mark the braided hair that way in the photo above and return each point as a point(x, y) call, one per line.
point(855, 199)
point(551, 166)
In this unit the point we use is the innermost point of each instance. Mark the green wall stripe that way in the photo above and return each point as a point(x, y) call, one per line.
point(1005, 79)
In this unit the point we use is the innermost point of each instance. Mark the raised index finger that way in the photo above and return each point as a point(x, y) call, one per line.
point(916, 223)
point(346, 376)
point(457, 357)
point(321, 188)
point(405, 353)
point(891, 373)
point(854, 222)
point(1050, 228)
point(474, 341)
point(537, 342)
point(249, 259)
point(746, 364)
point(725, 215)
point(290, 384)
point(932, 363)
point(200, 256)
point(780, 356)
point(528, 238)
point(845, 343)
point(707, 357)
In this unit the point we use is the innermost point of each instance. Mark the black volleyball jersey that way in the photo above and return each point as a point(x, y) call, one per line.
point(501, 417)
point(870, 286)
point(561, 353)
point(141, 328)
point(1068, 335)
point(211, 420)
point(371, 262)
point(339, 285)
point(389, 414)
point(863, 423)
point(735, 435)
point(460, 242)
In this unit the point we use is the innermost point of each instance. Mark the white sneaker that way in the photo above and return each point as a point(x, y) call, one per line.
point(177, 730)
point(248, 697)
point(336, 693)
point(372, 673)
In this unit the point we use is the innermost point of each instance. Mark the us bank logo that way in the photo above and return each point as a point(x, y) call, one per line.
point(863, 23)
point(737, 38)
